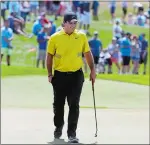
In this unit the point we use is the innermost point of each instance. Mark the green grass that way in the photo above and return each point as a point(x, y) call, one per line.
point(36, 92)
point(23, 61)
point(23, 71)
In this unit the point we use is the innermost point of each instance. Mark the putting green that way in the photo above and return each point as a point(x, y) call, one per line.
point(36, 92)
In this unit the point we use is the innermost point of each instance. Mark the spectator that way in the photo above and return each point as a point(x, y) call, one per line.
point(113, 49)
point(86, 17)
point(42, 38)
point(37, 26)
point(117, 30)
point(6, 38)
point(96, 46)
point(124, 9)
point(3, 9)
point(141, 19)
point(125, 52)
point(16, 24)
point(144, 52)
point(14, 7)
point(135, 54)
point(95, 6)
point(34, 7)
point(112, 5)
point(131, 19)
point(55, 7)
point(80, 14)
point(24, 9)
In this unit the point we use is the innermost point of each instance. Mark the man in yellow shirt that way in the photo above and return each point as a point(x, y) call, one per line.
point(64, 55)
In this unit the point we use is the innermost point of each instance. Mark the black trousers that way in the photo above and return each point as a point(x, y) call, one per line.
point(67, 85)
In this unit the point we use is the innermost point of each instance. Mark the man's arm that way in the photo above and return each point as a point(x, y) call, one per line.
point(89, 59)
point(49, 59)
point(49, 63)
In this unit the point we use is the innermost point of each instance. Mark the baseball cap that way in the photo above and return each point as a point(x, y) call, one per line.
point(46, 24)
point(95, 32)
point(70, 16)
point(114, 38)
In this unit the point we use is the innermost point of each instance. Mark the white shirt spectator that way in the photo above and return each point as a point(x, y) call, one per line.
point(117, 31)
point(25, 7)
point(124, 4)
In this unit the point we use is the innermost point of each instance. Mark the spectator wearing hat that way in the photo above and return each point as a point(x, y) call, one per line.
point(117, 29)
point(96, 46)
point(37, 26)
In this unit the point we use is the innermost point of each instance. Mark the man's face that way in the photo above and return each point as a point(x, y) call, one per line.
point(95, 36)
point(71, 25)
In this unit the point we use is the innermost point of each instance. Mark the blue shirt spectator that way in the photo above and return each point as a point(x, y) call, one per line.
point(37, 26)
point(34, 3)
point(42, 40)
point(53, 27)
point(141, 20)
point(6, 33)
point(125, 47)
point(96, 46)
point(14, 7)
point(144, 46)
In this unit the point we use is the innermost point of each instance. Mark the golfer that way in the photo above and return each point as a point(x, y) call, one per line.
point(64, 55)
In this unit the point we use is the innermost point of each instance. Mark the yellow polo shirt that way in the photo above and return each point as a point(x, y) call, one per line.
point(67, 50)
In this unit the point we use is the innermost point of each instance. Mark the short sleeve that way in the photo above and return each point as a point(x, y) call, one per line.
point(86, 47)
point(51, 46)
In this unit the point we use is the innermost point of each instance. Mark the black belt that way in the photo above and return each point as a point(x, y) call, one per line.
point(68, 72)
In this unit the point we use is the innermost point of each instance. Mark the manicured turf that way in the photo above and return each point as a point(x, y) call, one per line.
point(23, 60)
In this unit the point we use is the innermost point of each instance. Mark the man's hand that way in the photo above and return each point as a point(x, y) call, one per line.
point(50, 79)
point(92, 76)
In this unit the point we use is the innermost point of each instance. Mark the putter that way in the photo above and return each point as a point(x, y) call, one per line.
point(94, 108)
